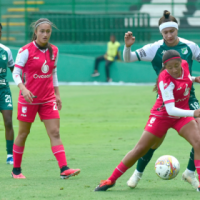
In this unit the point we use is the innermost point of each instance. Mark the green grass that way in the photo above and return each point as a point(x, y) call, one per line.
point(99, 125)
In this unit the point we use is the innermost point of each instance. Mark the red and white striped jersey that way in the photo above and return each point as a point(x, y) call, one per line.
point(173, 90)
point(37, 70)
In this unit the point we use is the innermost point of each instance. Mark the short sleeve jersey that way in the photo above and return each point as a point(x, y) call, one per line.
point(174, 90)
point(188, 50)
point(37, 68)
point(6, 60)
point(112, 50)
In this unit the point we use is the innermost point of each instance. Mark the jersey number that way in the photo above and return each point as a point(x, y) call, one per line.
point(7, 99)
point(55, 106)
point(195, 105)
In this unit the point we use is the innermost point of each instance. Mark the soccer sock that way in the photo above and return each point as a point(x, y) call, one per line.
point(59, 153)
point(119, 170)
point(191, 165)
point(9, 146)
point(197, 165)
point(17, 155)
point(143, 161)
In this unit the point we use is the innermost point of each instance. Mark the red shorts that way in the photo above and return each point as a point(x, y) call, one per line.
point(27, 112)
point(158, 126)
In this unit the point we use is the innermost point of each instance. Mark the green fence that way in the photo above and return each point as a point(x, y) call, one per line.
point(93, 20)
point(94, 27)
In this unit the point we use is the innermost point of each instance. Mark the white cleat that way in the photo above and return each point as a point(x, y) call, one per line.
point(134, 179)
point(191, 179)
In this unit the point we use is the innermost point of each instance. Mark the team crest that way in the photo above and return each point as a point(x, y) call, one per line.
point(24, 109)
point(187, 89)
point(3, 57)
point(152, 120)
point(45, 68)
point(184, 50)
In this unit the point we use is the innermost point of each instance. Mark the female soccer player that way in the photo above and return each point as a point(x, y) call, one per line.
point(6, 107)
point(153, 53)
point(39, 92)
point(171, 110)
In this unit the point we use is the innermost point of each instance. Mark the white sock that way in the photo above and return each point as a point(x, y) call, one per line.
point(9, 155)
point(189, 171)
point(140, 173)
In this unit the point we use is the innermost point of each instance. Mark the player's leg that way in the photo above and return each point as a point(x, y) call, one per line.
point(53, 131)
point(189, 174)
point(190, 132)
point(9, 134)
point(142, 163)
point(6, 108)
point(18, 148)
point(146, 141)
point(97, 61)
point(107, 66)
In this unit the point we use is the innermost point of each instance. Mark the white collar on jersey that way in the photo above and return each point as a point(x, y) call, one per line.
point(168, 25)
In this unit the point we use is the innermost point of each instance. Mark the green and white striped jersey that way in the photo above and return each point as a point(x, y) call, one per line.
point(188, 50)
point(6, 60)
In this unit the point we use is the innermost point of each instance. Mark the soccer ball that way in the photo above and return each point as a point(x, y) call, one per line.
point(167, 167)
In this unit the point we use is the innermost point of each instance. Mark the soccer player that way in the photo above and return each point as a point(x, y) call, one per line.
point(39, 93)
point(6, 107)
point(171, 110)
point(112, 54)
point(153, 53)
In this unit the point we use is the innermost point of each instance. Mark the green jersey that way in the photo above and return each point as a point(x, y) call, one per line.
point(6, 60)
point(188, 50)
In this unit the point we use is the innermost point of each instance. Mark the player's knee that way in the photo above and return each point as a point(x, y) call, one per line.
point(55, 133)
point(8, 124)
point(23, 135)
point(196, 144)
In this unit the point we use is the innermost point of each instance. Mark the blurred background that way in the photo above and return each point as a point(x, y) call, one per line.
point(84, 27)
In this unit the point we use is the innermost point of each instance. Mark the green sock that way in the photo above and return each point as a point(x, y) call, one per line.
point(143, 161)
point(191, 165)
point(9, 146)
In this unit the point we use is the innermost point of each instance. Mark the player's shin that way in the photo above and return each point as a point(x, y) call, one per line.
point(144, 160)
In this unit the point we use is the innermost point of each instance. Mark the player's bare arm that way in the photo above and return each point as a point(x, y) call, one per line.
point(58, 100)
point(28, 96)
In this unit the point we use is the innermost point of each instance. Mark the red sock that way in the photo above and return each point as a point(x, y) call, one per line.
point(119, 170)
point(197, 165)
point(59, 153)
point(17, 155)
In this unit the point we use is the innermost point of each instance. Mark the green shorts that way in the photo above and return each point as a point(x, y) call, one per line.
point(193, 104)
point(5, 99)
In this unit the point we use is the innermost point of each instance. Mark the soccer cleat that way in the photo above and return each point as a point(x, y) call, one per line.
point(69, 172)
point(190, 178)
point(95, 74)
point(134, 179)
point(104, 185)
point(9, 160)
point(19, 176)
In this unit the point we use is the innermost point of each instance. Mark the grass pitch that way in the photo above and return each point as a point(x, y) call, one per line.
point(99, 125)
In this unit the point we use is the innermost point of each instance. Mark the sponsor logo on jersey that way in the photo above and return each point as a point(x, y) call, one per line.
point(142, 53)
point(35, 57)
point(45, 68)
point(3, 57)
point(2, 70)
point(187, 90)
point(2, 82)
point(24, 109)
point(184, 50)
point(41, 76)
point(179, 88)
point(163, 51)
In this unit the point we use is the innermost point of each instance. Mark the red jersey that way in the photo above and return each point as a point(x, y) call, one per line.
point(37, 68)
point(173, 90)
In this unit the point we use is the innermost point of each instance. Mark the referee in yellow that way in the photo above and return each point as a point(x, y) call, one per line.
point(112, 54)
